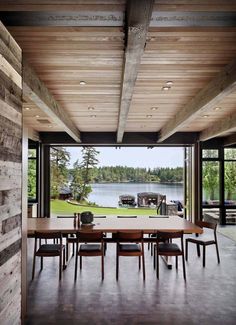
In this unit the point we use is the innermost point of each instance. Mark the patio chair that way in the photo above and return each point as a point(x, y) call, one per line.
point(204, 242)
point(48, 250)
point(129, 244)
point(89, 244)
point(165, 247)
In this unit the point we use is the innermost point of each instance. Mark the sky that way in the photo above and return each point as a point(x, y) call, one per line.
point(134, 156)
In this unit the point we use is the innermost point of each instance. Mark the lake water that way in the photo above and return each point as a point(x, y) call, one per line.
point(108, 194)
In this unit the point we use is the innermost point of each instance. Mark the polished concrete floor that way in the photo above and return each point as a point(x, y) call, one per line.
point(207, 297)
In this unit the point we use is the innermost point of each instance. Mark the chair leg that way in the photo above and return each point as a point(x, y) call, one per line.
point(143, 266)
point(33, 269)
point(176, 262)
point(151, 249)
point(198, 250)
point(80, 262)
point(139, 262)
point(76, 266)
point(60, 265)
point(41, 263)
point(102, 266)
point(186, 250)
point(204, 256)
point(67, 250)
point(217, 252)
point(64, 258)
point(154, 258)
point(73, 249)
point(157, 265)
point(184, 271)
point(117, 265)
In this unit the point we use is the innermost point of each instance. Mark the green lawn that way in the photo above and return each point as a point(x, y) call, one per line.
point(59, 207)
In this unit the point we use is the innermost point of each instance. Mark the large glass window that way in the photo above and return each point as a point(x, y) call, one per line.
point(210, 182)
point(32, 175)
point(210, 153)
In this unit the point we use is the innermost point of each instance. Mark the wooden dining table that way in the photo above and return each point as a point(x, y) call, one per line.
point(112, 224)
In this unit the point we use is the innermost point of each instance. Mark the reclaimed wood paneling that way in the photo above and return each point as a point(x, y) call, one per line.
point(10, 179)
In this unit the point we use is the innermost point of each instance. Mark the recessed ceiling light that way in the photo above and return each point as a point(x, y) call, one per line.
point(37, 116)
point(148, 116)
point(93, 116)
point(82, 82)
point(90, 108)
point(217, 108)
point(27, 108)
point(165, 88)
point(205, 116)
point(169, 83)
point(154, 108)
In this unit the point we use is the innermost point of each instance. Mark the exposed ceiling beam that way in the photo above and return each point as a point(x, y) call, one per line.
point(140, 139)
point(222, 85)
point(218, 129)
point(36, 90)
point(230, 140)
point(138, 19)
point(93, 15)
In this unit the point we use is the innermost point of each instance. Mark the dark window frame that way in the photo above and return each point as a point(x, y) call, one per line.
point(35, 145)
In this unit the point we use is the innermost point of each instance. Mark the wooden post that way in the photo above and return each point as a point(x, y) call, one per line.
point(12, 306)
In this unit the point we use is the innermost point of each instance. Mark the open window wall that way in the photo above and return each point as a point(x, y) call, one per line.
point(219, 185)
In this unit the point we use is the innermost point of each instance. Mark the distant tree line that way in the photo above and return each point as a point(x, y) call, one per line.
point(119, 174)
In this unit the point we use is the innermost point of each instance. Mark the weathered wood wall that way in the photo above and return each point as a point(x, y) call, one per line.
point(10, 179)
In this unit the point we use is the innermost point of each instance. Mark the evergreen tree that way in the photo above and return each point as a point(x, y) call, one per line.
point(89, 161)
point(59, 173)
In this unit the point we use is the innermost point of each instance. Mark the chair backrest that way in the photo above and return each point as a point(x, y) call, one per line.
point(165, 235)
point(95, 236)
point(127, 217)
point(159, 216)
point(99, 216)
point(129, 236)
point(65, 216)
point(48, 235)
point(205, 224)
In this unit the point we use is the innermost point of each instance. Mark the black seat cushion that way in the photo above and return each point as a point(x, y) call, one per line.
point(168, 247)
point(49, 248)
point(129, 248)
point(90, 248)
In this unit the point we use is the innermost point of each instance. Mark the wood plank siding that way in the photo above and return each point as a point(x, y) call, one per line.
point(10, 179)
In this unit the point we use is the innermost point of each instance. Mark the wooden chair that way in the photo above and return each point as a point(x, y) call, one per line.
point(164, 247)
point(204, 242)
point(89, 244)
point(154, 234)
point(48, 250)
point(130, 244)
point(104, 235)
point(70, 238)
point(98, 216)
point(128, 217)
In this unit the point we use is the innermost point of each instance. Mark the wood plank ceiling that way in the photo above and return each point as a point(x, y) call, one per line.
point(79, 50)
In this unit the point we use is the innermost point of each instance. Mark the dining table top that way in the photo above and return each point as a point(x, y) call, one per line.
point(112, 224)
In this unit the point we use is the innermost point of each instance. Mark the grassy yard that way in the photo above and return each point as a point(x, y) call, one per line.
point(59, 207)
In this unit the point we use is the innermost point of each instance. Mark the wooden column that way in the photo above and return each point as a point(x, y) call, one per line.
point(10, 178)
point(197, 186)
point(45, 181)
